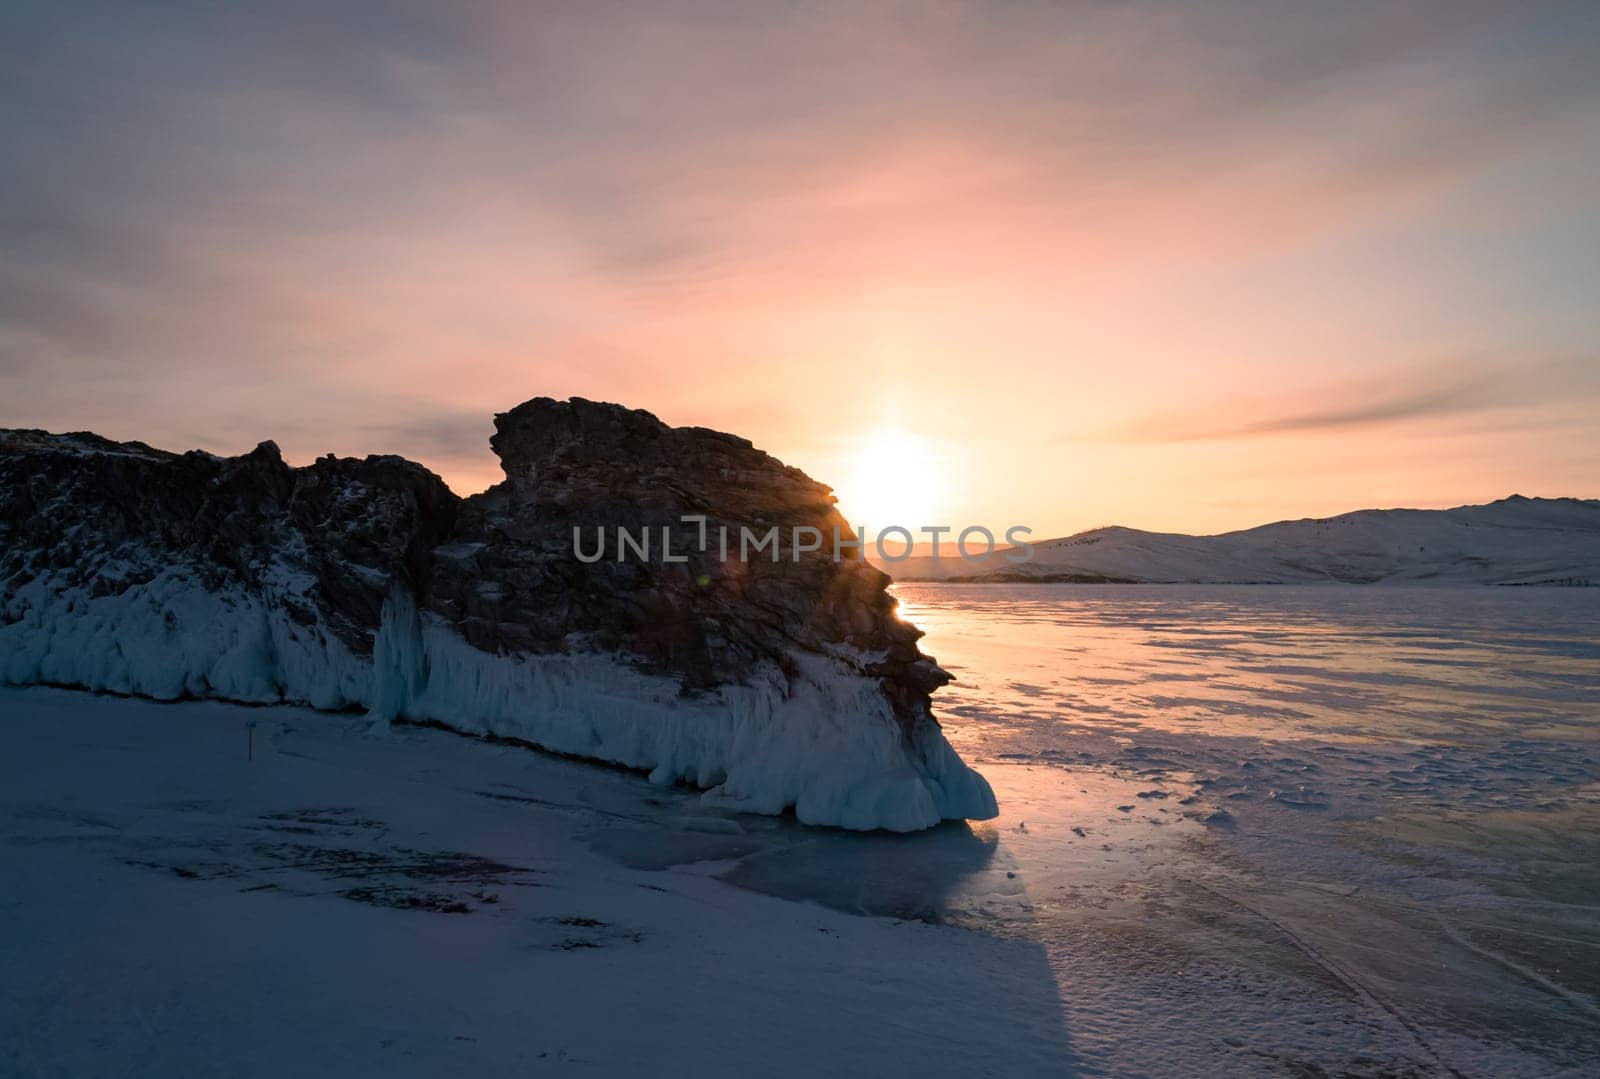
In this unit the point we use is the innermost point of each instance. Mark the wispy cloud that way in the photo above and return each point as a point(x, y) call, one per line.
point(372, 225)
point(1440, 393)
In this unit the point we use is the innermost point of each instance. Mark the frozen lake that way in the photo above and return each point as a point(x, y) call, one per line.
point(1398, 791)
point(1326, 826)
point(1244, 831)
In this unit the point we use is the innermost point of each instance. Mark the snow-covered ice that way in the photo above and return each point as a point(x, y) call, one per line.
point(1242, 831)
point(418, 903)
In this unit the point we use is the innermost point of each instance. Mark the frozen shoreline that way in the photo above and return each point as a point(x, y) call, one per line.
point(359, 899)
point(819, 738)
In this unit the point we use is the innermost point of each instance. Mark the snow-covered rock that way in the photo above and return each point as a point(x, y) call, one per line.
point(367, 584)
point(1513, 541)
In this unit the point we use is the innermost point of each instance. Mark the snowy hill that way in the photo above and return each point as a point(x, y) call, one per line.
point(1513, 541)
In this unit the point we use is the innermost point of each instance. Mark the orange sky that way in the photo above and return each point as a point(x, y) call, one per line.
point(1104, 264)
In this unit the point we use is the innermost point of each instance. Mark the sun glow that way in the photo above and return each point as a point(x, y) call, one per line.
point(894, 478)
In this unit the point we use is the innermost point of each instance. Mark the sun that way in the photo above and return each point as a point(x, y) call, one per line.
point(893, 478)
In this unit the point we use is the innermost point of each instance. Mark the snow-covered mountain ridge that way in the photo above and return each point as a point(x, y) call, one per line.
point(1514, 541)
point(367, 584)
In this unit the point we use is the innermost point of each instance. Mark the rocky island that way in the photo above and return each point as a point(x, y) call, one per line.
point(367, 584)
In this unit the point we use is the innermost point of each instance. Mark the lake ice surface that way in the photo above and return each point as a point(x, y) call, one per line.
point(1243, 831)
point(1326, 827)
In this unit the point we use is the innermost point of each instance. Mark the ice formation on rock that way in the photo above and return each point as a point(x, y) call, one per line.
point(366, 583)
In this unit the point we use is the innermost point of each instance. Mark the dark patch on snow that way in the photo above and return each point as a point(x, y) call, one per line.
point(400, 878)
point(576, 932)
point(406, 899)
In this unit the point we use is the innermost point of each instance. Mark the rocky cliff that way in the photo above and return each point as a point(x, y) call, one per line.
point(772, 683)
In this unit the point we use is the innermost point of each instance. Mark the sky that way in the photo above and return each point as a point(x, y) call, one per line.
point(1188, 267)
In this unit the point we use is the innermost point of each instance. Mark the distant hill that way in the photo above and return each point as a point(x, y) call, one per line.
point(1513, 541)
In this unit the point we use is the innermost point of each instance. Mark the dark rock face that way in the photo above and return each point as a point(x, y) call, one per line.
point(367, 583)
point(706, 621)
point(71, 503)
